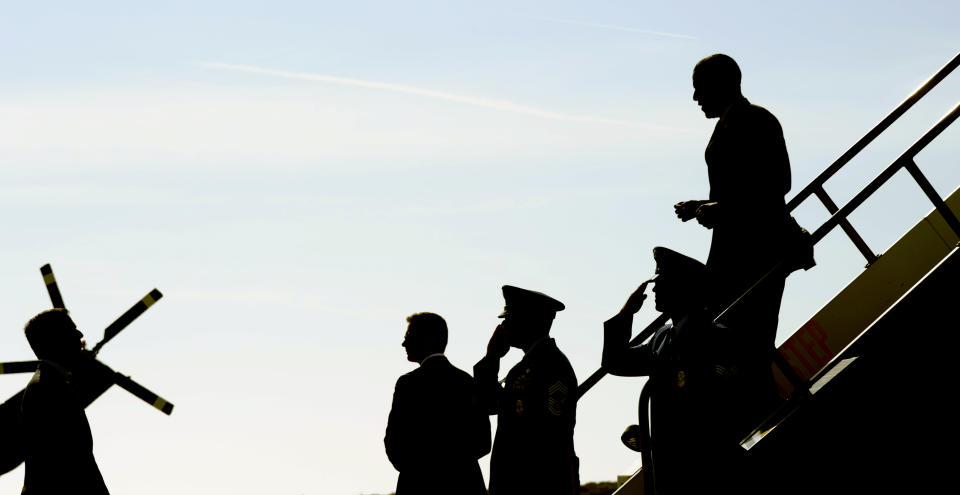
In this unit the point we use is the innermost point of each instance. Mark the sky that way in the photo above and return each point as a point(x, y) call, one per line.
point(298, 177)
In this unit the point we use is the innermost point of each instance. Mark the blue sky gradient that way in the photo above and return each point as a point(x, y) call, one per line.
point(375, 159)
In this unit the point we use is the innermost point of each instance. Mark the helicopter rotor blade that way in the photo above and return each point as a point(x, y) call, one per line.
point(52, 288)
point(126, 318)
point(145, 395)
point(18, 367)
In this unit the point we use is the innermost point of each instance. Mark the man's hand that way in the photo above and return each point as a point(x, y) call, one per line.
point(708, 214)
point(498, 345)
point(635, 301)
point(687, 210)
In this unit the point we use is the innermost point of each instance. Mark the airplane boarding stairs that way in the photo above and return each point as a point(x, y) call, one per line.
point(878, 398)
point(880, 416)
point(869, 375)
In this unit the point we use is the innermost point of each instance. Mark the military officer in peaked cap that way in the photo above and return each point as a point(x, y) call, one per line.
point(693, 365)
point(536, 406)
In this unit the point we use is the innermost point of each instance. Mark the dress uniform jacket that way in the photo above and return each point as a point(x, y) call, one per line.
point(437, 430)
point(59, 446)
point(696, 399)
point(536, 413)
point(749, 172)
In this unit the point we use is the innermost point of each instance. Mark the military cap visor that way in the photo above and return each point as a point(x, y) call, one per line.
point(517, 301)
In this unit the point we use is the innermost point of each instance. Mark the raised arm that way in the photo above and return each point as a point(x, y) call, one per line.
point(486, 370)
point(618, 357)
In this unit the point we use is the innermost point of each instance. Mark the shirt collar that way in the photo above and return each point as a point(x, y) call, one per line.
point(430, 356)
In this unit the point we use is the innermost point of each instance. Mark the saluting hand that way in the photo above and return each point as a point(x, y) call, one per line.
point(635, 301)
point(498, 345)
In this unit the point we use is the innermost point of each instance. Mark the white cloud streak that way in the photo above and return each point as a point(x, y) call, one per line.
point(617, 28)
point(429, 93)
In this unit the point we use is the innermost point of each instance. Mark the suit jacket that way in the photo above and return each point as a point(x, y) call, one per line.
point(749, 172)
point(536, 413)
point(59, 446)
point(436, 431)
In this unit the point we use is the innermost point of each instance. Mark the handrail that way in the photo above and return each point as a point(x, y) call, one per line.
point(901, 162)
point(646, 460)
point(873, 133)
point(816, 186)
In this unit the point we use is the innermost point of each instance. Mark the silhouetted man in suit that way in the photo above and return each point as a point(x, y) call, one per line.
point(695, 370)
point(536, 407)
point(749, 173)
point(57, 435)
point(437, 428)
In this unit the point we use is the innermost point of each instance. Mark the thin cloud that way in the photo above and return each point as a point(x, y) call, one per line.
point(399, 88)
point(617, 28)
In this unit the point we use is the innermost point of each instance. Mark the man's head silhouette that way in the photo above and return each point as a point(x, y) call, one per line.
point(527, 316)
point(716, 84)
point(680, 283)
point(426, 335)
point(53, 336)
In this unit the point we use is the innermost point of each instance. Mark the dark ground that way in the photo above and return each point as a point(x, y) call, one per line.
point(600, 488)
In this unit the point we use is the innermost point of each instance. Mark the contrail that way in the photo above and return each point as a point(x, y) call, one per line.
point(399, 88)
point(617, 28)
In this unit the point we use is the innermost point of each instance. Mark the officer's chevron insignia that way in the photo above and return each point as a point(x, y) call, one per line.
point(557, 398)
